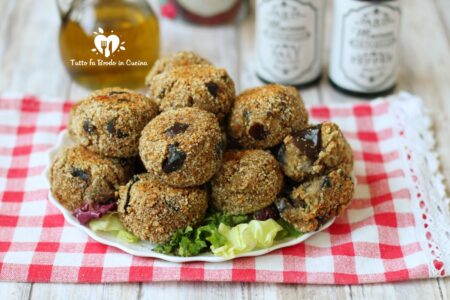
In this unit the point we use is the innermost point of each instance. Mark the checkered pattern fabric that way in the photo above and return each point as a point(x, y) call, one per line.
point(377, 239)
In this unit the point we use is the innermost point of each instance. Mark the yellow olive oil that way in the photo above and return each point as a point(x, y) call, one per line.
point(111, 43)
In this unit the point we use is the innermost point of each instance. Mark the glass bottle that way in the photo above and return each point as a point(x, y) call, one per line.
point(364, 50)
point(108, 42)
point(289, 36)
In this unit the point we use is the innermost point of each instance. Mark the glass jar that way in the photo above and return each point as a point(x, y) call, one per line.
point(108, 42)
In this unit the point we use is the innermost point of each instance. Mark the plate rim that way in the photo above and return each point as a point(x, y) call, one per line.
point(64, 141)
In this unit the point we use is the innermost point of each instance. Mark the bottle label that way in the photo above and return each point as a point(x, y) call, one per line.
point(366, 46)
point(288, 40)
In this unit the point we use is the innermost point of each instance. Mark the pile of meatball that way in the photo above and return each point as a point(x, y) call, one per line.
point(191, 143)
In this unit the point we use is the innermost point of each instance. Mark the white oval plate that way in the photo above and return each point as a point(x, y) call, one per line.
point(144, 248)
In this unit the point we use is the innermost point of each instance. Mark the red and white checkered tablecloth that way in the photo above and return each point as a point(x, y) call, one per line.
point(395, 228)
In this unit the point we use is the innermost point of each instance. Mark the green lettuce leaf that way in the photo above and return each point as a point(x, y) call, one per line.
point(127, 237)
point(111, 223)
point(246, 237)
point(288, 230)
point(227, 235)
point(190, 242)
point(211, 234)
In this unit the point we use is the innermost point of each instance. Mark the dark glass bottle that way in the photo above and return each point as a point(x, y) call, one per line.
point(364, 50)
point(289, 36)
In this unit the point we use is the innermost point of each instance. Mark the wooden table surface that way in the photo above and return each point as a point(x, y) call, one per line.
point(30, 63)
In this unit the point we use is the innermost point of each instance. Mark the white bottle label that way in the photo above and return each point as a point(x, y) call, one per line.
point(364, 52)
point(289, 40)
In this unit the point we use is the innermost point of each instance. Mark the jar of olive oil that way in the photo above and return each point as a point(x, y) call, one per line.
point(108, 42)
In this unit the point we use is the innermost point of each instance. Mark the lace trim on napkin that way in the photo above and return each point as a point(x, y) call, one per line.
point(430, 204)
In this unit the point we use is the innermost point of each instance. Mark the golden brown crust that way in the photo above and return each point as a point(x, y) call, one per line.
point(201, 86)
point(317, 200)
point(179, 59)
point(261, 117)
point(80, 176)
point(248, 180)
point(110, 121)
point(334, 151)
point(182, 147)
point(153, 211)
